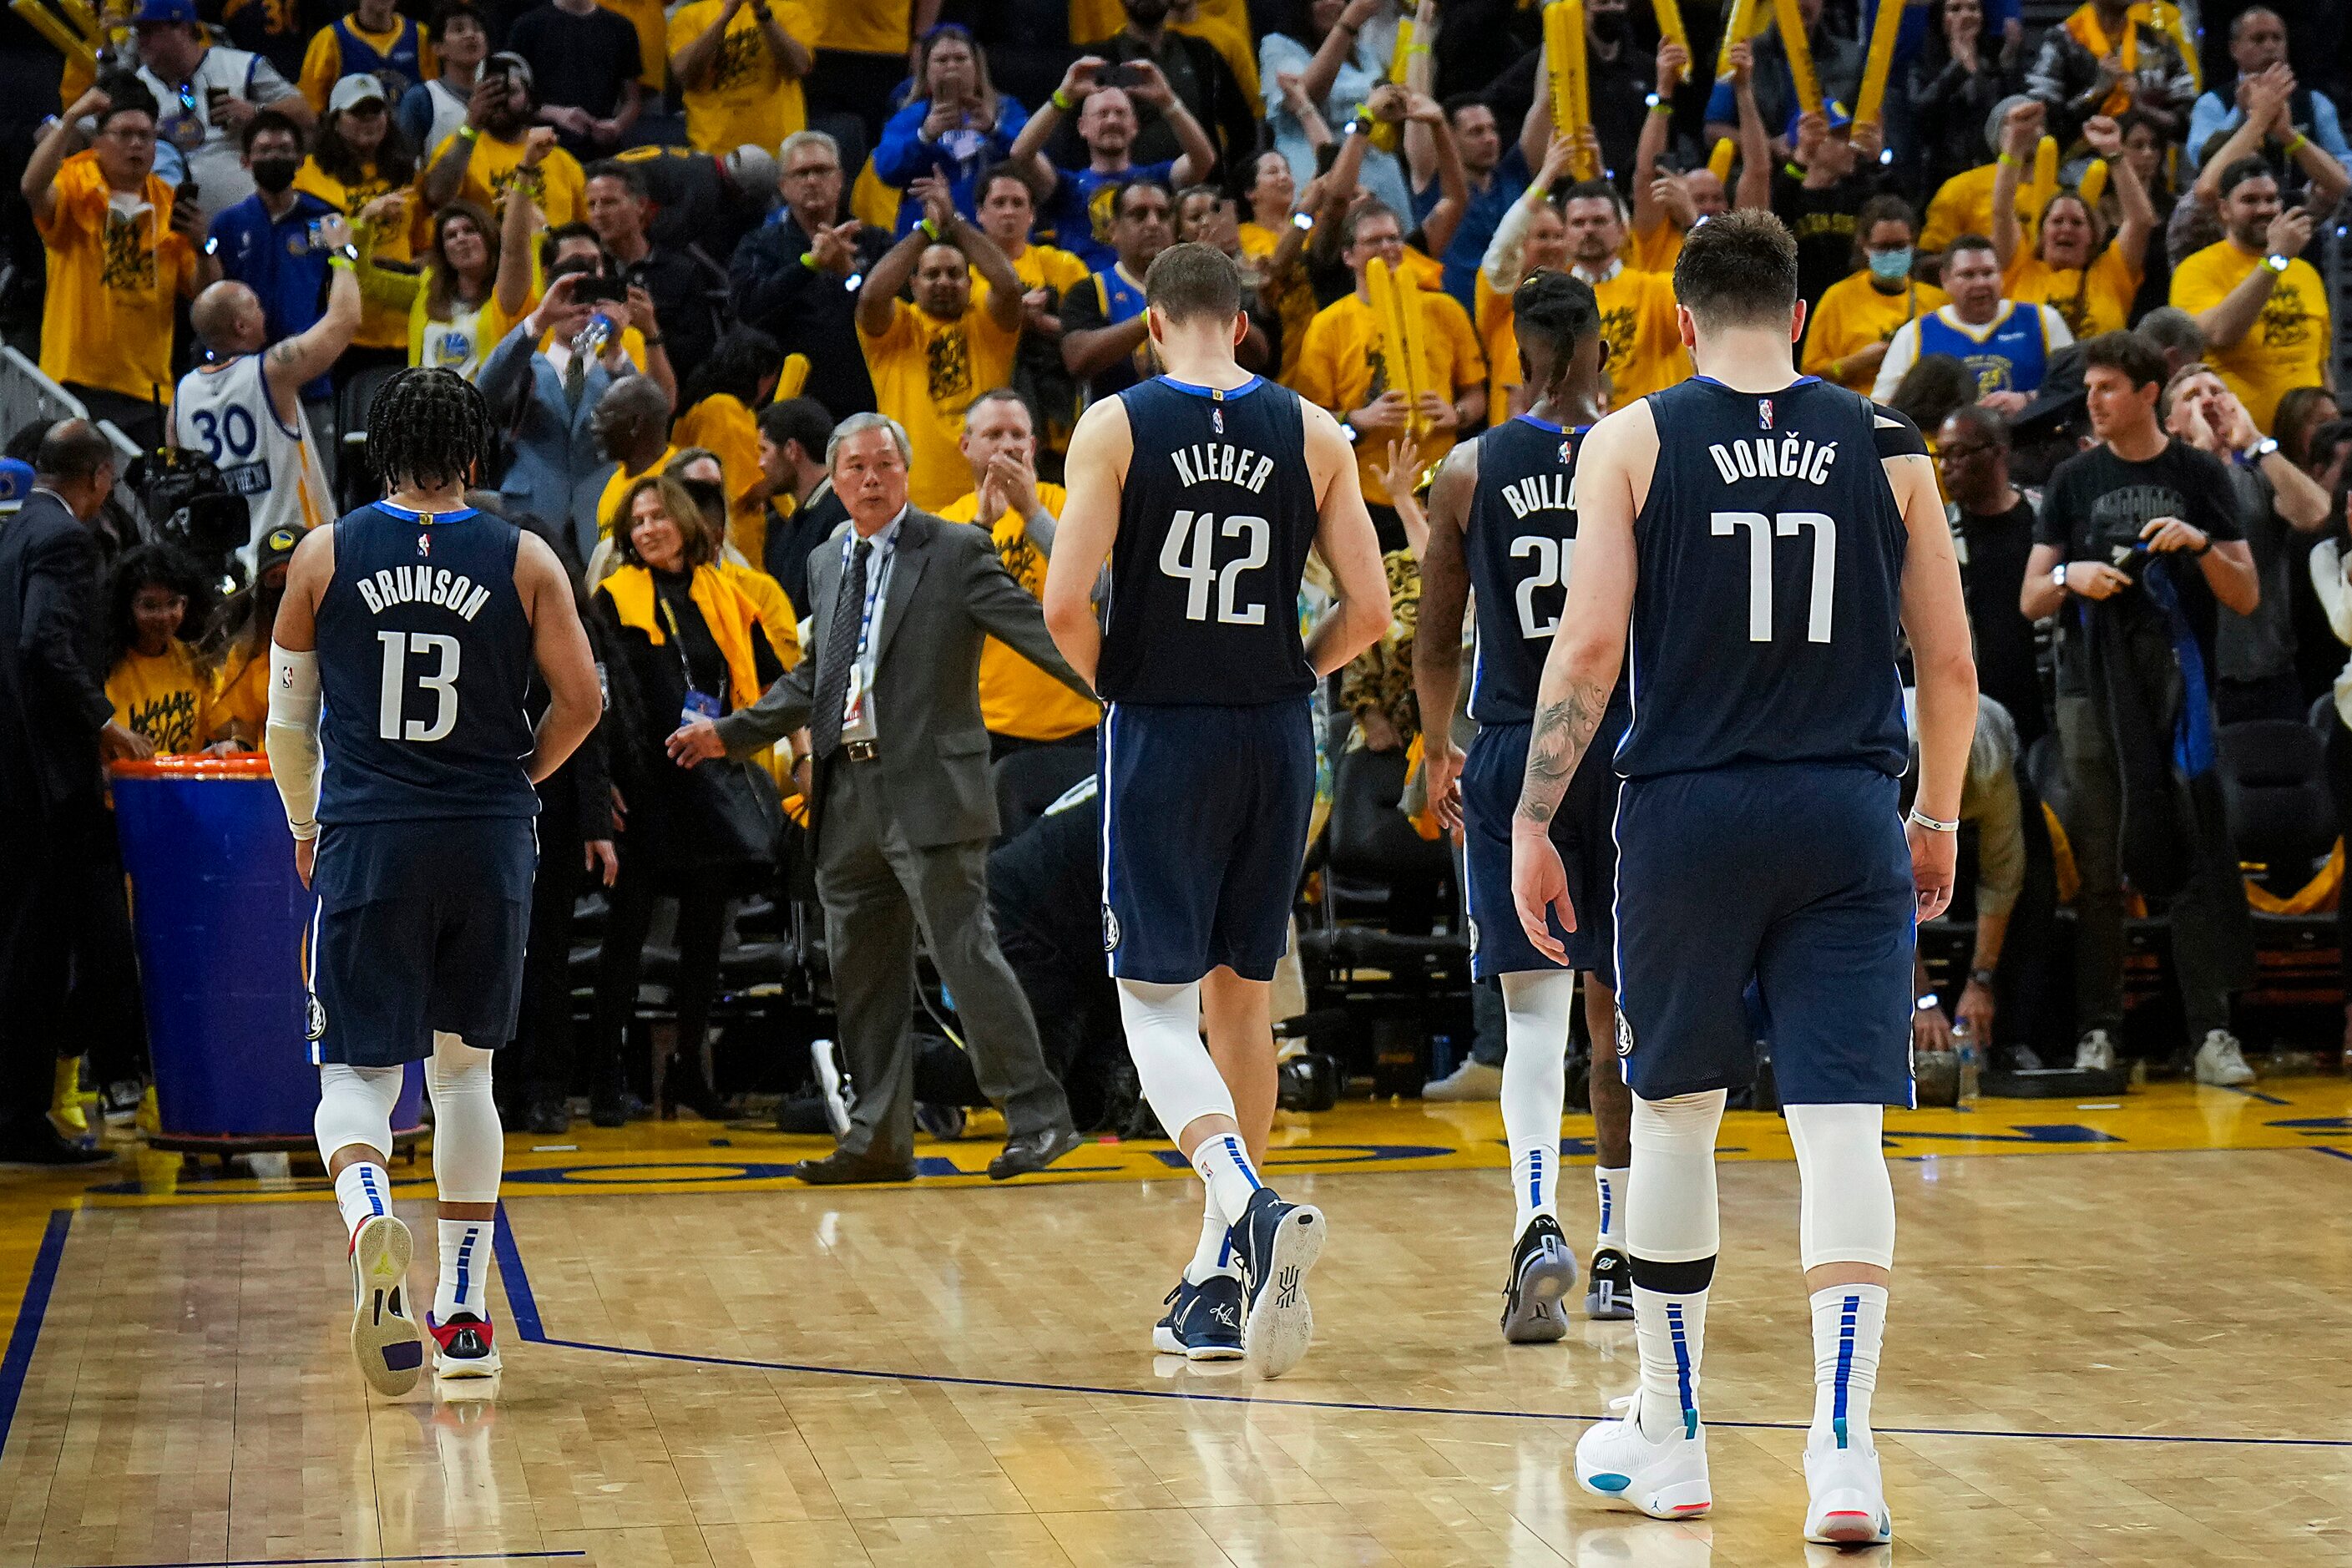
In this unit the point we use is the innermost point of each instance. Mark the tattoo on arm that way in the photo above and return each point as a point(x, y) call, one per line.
point(1562, 732)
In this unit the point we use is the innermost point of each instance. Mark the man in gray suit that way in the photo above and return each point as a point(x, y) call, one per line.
point(902, 806)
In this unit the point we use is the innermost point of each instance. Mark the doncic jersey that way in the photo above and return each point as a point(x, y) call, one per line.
point(1215, 523)
point(1769, 558)
point(424, 656)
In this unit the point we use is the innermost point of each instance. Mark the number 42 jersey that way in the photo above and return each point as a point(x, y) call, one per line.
point(424, 653)
point(1215, 523)
point(1767, 610)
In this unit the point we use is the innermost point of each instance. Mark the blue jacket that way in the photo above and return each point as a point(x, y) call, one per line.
point(556, 472)
point(961, 155)
point(275, 259)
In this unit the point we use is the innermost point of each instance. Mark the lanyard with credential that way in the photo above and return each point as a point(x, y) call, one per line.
point(876, 566)
point(698, 704)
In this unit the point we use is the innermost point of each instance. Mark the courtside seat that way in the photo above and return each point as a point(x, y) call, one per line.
point(2282, 817)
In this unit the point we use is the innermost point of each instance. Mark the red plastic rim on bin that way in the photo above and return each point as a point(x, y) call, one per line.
point(247, 765)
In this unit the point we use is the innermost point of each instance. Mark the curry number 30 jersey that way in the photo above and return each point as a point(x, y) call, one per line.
point(1767, 609)
point(1215, 523)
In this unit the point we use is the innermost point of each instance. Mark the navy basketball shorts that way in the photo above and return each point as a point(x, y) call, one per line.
point(1793, 876)
point(1581, 831)
point(1205, 818)
point(420, 928)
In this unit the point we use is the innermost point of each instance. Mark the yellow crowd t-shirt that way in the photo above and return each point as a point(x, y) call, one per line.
point(608, 500)
point(1292, 296)
point(749, 99)
point(114, 277)
point(558, 184)
point(241, 697)
point(1341, 367)
point(865, 26)
point(2288, 341)
point(724, 426)
point(162, 697)
point(1853, 314)
point(645, 16)
point(2090, 300)
point(1655, 251)
point(1016, 698)
point(381, 326)
point(1637, 322)
point(926, 372)
point(1963, 204)
point(1499, 339)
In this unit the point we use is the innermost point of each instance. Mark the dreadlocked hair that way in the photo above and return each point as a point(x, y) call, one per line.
point(429, 427)
point(1558, 310)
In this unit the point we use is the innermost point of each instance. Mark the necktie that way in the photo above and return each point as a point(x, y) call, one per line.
point(840, 653)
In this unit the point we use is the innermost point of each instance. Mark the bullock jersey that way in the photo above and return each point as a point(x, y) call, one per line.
point(423, 654)
point(1519, 541)
point(1215, 523)
point(1767, 611)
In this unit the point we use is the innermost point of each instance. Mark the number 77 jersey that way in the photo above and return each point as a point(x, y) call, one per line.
point(424, 653)
point(1767, 609)
point(1215, 523)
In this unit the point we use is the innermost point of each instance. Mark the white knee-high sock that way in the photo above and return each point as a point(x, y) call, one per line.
point(363, 1191)
point(464, 1282)
point(1179, 1080)
point(1610, 1189)
point(1849, 1323)
point(1215, 1252)
point(1673, 1237)
point(1536, 1007)
point(355, 1107)
point(1224, 1163)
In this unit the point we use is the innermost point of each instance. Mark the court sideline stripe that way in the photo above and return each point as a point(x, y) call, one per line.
point(334, 1561)
point(29, 1313)
point(523, 1308)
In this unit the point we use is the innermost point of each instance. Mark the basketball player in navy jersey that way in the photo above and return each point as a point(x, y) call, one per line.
point(414, 624)
point(1206, 487)
point(1770, 538)
point(1502, 517)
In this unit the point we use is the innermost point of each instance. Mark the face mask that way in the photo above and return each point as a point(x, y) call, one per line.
point(1891, 266)
point(274, 174)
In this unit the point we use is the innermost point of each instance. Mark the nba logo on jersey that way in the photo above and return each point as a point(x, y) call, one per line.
point(424, 545)
point(1567, 451)
point(1764, 411)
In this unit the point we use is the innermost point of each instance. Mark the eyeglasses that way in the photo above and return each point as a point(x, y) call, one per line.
point(813, 171)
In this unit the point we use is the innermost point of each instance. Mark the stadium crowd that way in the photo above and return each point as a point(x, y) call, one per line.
point(676, 247)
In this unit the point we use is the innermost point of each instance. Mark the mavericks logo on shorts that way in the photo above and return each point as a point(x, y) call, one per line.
point(1624, 1035)
point(1111, 929)
point(315, 1027)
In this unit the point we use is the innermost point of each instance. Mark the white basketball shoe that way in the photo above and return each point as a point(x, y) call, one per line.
point(1617, 1464)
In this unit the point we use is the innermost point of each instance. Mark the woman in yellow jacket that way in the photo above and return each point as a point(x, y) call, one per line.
point(683, 638)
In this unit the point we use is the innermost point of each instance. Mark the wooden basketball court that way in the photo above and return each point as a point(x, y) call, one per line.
point(2120, 1336)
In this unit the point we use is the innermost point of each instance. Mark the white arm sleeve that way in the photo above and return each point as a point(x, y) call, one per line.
point(293, 733)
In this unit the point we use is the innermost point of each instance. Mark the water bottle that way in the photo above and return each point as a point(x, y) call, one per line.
point(1964, 1042)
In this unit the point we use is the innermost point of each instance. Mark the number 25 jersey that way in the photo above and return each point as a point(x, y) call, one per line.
point(1215, 523)
point(424, 656)
point(1767, 611)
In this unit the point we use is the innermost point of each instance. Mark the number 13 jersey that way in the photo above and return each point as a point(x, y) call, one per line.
point(424, 656)
point(1767, 613)
point(1215, 523)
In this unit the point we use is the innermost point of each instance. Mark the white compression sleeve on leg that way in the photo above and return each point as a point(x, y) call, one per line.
point(1163, 1035)
point(1672, 1235)
point(469, 1146)
point(1536, 1007)
point(293, 735)
point(1846, 1210)
point(355, 1108)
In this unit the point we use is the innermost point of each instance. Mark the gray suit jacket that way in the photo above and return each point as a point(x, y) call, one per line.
point(948, 593)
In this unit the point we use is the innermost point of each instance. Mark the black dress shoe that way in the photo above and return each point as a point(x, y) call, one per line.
point(842, 1167)
point(40, 1145)
point(1032, 1151)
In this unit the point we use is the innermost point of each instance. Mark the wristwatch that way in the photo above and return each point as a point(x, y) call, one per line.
point(2058, 576)
point(2258, 451)
point(2275, 262)
point(1980, 977)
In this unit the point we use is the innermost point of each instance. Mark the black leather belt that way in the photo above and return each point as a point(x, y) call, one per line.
point(860, 750)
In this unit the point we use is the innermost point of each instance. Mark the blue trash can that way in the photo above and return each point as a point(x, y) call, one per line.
point(221, 920)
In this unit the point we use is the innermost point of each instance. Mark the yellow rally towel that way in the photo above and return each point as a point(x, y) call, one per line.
point(2320, 893)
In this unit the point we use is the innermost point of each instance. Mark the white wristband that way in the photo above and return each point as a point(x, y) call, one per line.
point(1922, 819)
point(293, 733)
